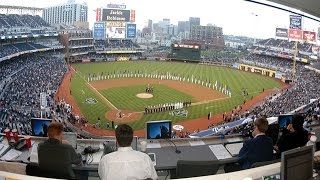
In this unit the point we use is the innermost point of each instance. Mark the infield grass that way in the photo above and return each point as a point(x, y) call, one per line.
point(122, 97)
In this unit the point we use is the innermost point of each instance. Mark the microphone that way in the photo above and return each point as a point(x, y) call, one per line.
point(176, 149)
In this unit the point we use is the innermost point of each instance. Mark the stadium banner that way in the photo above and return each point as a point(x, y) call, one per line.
point(133, 16)
point(43, 100)
point(278, 75)
point(295, 22)
point(116, 24)
point(309, 36)
point(116, 6)
point(283, 56)
point(254, 69)
point(115, 15)
point(295, 34)
point(282, 32)
point(99, 30)
point(98, 14)
point(131, 30)
point(116, 32)
point(315, 49)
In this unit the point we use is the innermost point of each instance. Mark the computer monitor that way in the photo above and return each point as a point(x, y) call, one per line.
point(111, 145)
point(40, 126)
point(158, 129)
point(297, 163)
point(71, 137)
point(284, 120)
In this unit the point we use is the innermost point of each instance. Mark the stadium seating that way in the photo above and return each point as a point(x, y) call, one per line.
point(18, 21)
point(115, 44)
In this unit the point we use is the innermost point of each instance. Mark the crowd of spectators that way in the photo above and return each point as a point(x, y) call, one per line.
point(115, 44)
point(21, 99)
point(9, 49)
point(11, 66)
point(306, 47)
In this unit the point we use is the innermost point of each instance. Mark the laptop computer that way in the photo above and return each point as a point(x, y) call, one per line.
point(71, 137)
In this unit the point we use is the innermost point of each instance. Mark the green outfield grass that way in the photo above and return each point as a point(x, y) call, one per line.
point(125, 97)
point(122, 97)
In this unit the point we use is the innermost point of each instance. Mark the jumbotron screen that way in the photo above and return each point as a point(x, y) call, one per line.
point(185, 52)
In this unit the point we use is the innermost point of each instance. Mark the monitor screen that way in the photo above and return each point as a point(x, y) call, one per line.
point(40, 126)
point(159, 129)
point(297, 163)
point(284, 120)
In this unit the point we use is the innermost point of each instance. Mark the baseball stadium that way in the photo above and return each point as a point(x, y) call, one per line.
point(86, 99)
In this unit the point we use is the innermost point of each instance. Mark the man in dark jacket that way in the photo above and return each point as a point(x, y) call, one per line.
point(257, 149)
point(293, 136)
point(57, 156)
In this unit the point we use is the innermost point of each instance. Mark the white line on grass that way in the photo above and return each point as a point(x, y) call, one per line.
point(96, 90)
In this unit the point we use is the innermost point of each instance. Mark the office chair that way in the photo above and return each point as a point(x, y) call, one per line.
point(187, 169)
point(33, 169)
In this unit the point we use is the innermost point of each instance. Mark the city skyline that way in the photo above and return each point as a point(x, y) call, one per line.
point(236, 17)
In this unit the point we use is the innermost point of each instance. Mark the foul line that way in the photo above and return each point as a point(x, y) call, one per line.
point(95, 90)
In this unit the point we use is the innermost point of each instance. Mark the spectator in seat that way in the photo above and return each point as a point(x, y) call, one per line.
point(257, 149)
point(293, 136)
point(56, 156)
point(126, 163)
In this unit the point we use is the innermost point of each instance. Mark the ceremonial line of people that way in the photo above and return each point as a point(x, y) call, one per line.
point(165, 107)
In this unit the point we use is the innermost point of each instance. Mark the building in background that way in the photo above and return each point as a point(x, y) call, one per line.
point(181, 26)
point(150, 24)
point(69, 13)
point(194, 21)
point(210, 37)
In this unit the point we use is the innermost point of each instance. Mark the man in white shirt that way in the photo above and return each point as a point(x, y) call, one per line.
point(126, 164)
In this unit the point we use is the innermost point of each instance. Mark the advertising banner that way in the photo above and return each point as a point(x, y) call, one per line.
point(133, 16)
point(116, 15)
point(116, 6)
point(282, 32)
point(116, 32)
point(131, 30)
point(98, 14)
point(116, 24)
point(99, 30)
point(309, 36)
point(295, 22)
point(295, 34)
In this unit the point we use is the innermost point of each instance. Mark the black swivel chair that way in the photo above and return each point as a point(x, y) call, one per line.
point(187, 169)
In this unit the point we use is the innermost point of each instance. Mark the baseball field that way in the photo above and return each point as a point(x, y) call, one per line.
point(103, 90)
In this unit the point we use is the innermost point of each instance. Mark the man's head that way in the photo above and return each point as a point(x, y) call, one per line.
point(55, 130)
point(260, 126)
point(124, 135)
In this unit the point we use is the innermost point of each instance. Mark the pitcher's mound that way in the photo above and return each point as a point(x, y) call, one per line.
point(144, 95)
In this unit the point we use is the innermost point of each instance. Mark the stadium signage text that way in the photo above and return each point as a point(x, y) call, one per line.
point(116, 24)
point(309, 36)
point(295, 22)
point(282, 32)
point(116, 6)
point(116, 15)
point(186, 46)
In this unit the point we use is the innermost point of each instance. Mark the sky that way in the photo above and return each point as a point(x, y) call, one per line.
point(236, 17)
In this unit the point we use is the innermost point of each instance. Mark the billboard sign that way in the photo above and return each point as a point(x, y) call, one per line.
point(116, 24)
point(115, 15)
point(116, 6)
point(116, 32)
point(99, 30)
point(131, 30)
point(282, 32)
point(133, 16)
point(295, 34)
point(309, 36)
point(43, 100)
point(295, 22)
point(98, 14)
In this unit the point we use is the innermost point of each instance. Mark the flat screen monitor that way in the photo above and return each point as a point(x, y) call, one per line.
point(284, 120)
point(158, 129)
point(40, 126)
point(297, 164)
point(71, 138)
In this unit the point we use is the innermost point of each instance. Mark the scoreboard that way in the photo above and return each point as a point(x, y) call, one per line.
point(185, 52)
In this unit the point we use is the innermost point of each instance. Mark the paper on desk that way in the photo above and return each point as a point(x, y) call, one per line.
point(96, 157)
point(153, 145)
point(234, 139)
point(220, 151)
point(196, 143)
point(11, 155)
point(34, 153)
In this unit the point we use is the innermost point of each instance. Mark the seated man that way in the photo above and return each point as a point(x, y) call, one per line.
point(293, 136)
point(126, 163)
point(257, 149)
point(57, 156)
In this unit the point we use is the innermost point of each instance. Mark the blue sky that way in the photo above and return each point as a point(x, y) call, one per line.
point(237, 17)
